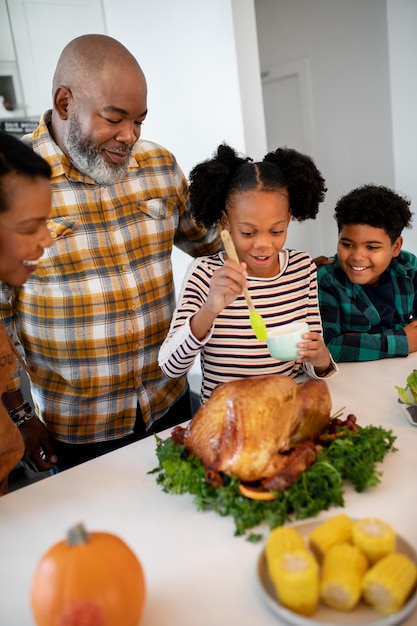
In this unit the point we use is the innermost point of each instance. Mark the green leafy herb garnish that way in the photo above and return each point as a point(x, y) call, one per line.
point(404, 394)
point(352, 458)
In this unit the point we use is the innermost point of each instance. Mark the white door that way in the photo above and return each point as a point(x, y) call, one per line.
point(289, 120)
point(40, 30)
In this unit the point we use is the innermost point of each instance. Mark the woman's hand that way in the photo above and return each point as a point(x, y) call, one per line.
point(39, 455)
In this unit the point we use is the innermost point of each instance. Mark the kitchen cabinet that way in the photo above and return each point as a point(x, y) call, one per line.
point(6, 41)
point(10, 86)
point(39, 30)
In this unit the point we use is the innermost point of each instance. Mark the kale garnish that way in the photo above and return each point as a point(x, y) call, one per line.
point(351, 458)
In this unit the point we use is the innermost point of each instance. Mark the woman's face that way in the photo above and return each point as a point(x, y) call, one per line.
point(23, 227)
point(258, 222)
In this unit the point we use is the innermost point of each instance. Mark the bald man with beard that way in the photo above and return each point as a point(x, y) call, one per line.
point(90, 71)
point(92, 317)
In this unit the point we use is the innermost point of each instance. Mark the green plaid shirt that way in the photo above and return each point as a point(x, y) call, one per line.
point(92, 317)
point(351, 323)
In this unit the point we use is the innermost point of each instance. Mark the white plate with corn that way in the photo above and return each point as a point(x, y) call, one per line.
point(340, 571)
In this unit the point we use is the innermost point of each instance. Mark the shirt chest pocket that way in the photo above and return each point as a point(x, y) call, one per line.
point(70, 252)
point(159, 214)
point(62, 228)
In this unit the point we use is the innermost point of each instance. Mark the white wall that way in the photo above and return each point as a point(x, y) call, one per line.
point(194, 99)
point(402, 38)
point(251, 101)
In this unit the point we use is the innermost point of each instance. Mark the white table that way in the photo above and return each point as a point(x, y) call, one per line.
point(197, 572)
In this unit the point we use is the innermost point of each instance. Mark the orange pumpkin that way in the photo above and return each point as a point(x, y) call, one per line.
point(93, 579)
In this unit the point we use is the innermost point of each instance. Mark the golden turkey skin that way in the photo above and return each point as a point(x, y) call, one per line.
point(246, 423)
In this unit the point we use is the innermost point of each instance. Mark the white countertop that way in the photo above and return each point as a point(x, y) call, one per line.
point(197, 572)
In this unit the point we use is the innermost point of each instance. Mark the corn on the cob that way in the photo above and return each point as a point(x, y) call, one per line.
point(343, 568)
point(388, 583)
point(337, 529)
point(374, 537)
point(295, 576)
point(283, 539)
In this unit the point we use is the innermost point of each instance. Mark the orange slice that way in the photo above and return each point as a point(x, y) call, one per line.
point(325, 437)
point(256, 493)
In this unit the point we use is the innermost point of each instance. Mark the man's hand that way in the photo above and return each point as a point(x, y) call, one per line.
point(323, 260)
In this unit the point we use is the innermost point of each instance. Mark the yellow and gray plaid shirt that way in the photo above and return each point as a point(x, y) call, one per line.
point(92, 317)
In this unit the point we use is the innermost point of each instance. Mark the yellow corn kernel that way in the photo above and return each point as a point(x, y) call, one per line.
point(295, 576)
point(388, 583)
point(342, 571)
point(337, 529)
point(374, 537)
point(283, 539)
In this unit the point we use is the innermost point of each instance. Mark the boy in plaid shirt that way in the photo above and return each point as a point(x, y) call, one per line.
point(368, 291)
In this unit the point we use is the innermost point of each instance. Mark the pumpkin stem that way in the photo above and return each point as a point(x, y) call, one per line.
point(77, 535)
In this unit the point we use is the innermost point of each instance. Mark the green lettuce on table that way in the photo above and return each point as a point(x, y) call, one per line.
point(409, 394)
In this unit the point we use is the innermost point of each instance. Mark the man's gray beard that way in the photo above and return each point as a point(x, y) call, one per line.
point(87, 159)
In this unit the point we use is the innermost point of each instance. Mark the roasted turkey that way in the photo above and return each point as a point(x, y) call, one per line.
point(249, 427)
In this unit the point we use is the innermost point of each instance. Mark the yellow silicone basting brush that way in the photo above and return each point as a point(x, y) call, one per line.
point(257, 323)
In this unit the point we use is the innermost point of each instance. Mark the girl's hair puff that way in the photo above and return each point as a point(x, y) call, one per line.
point(304, 182)
point(215, 182)
point(209, 185)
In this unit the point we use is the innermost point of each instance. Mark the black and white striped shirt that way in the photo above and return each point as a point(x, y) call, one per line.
point(231, 350)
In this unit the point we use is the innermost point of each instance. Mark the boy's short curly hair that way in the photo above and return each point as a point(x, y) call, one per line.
point(376, 206)
point(215, 182)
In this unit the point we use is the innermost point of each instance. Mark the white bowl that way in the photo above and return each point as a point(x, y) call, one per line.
point(282, 340)
point(410, 411)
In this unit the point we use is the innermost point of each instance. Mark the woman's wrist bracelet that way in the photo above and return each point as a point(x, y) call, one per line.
point(22, 413)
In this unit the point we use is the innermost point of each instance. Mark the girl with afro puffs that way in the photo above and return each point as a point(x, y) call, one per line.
point(255, 202)
point(368, 294)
